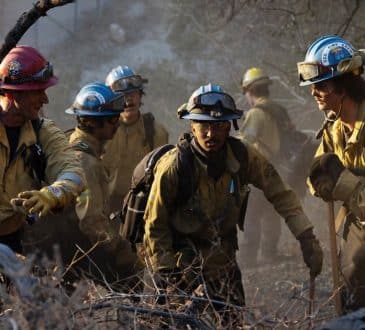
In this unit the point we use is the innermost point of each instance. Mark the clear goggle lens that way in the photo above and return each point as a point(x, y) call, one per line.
point(212, 99)
point(309, 71)
point(128, 83)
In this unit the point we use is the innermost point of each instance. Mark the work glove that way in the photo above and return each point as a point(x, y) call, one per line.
point(42, 201)
point(324, 174)
point(312, 252)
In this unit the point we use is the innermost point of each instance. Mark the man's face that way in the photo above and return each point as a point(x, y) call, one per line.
point(131, 111)
point(27, 104)
point(249, 98)
point(108, 128)
point(211, 135)
point(326, 97)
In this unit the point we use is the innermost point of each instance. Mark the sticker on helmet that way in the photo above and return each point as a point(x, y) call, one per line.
point(216, 113)
point(335, 52)
point(93, 96)
point(14, 68)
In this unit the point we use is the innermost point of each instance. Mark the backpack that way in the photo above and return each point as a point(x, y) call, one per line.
point(134, 203)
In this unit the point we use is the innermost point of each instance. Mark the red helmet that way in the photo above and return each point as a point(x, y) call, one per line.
point(24, 68)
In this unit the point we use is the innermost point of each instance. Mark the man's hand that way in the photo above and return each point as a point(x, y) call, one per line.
point(312, 252)
point(41, 201)
point(324, 174)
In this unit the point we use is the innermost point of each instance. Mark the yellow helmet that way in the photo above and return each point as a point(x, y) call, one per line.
point(254, 77)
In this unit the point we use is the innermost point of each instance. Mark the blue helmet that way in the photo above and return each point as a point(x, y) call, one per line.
point(124, 79)
point(210, 103)
point(322, 58)
point(97, 100)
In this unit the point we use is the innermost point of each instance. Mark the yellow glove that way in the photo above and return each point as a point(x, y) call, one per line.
point(42, 201)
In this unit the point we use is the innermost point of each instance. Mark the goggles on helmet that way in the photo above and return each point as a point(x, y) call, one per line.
point(114, 105)
point(211, 99)
point(41, 76)
point(128, 83)
point(309, 71)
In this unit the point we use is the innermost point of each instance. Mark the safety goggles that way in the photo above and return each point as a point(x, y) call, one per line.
point(309, 71)
point(212, 99)
point(43, 75)
point(128, 83)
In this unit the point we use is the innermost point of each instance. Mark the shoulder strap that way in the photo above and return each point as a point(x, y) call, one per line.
point(149, 128)
point(241, 154)
point(37, 124)
point(185, 169)
point(38, 160)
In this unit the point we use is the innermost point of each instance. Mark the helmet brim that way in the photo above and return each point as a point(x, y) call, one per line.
point(323, 78)
point(88, 113)
point(245, 86)
point(28, 86)
point(206, 117)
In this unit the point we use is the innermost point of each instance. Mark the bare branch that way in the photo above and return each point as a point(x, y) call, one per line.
point(343, 28)
point(26, 20)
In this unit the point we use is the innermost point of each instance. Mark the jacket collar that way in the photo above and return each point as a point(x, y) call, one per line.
point(27, 135)
point(355, 137)
point(81, 136)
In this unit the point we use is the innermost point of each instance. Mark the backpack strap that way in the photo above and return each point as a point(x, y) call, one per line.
point(37, 159)
point(184, 165)
point(241, 154)
point(149, 129)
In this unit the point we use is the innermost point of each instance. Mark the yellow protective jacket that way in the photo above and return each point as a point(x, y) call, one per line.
point(349, 188)
point(206, 223)
point(62, 169)
point(123, 153)
point(92, 206)
point(261, 129)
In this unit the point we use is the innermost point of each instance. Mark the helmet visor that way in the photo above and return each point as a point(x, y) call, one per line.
point(212, 99)
point(44, 75)
point(310, 71)
point(128, 83)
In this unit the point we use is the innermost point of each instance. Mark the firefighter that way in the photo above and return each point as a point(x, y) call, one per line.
point(34, 152)
point(332, 68)
point(138, 133)
point(263, 127)
point(195, 242)
point(97, 109)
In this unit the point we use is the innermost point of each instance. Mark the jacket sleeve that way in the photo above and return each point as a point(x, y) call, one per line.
point(351, 190)
point(63, 169)
point(90, 208)
point(160, 205)
point(263, 175)
point(324, 146)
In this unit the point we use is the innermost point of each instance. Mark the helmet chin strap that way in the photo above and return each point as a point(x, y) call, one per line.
point(338, 113)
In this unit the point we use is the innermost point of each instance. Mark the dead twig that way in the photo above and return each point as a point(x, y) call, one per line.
point(26, 20)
